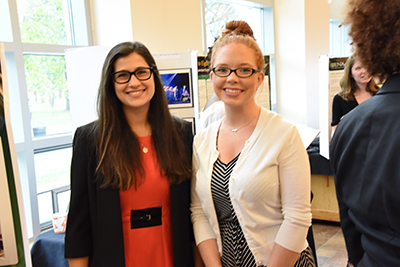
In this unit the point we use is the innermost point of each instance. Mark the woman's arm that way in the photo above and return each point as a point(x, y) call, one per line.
point(337, 112)
point(78, 262)
point(198, 262)
point(282, 257)
point(209, 253)
point(295, 188)
point(203, 232)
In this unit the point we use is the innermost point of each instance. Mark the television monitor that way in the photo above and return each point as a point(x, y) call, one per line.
point(178, 87)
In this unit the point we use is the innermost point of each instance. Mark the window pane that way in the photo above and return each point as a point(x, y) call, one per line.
point(52, 169)
point(48, 95)
point(63, 200)
point(220, 12)
point(44, 21)
point(45, 203)
point(339, 39)
point(5, 22)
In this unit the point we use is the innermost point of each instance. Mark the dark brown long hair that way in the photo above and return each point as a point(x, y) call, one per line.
point(120, 157)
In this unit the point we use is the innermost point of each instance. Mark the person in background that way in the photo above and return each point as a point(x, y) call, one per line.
point(212, 111)
point(356, 87)
point(251, 185)
point(364, 151)
point(130, 172)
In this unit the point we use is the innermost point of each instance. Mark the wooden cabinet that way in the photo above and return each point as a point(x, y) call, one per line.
point(324, 205)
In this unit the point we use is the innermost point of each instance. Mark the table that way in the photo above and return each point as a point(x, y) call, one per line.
point(48, 250)
point(324, 205)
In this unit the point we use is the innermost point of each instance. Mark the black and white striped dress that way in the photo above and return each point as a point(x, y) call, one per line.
point(235, 250)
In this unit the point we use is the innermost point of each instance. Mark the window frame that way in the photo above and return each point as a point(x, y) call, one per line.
point(20, 115)
point(339, 39)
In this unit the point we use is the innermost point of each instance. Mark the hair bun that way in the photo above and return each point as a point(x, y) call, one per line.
point(237, 27)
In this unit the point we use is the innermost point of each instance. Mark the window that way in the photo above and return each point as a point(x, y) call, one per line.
point(47, 94)
point(36, 34)
point(219, 12)
point(339, 39)
point(260, 19)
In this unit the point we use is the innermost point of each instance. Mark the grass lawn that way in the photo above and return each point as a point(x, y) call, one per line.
point(43, 114)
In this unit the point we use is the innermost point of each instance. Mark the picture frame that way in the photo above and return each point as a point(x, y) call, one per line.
point(178, 87)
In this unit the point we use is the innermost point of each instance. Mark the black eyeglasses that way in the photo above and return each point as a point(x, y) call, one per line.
point(124, 76)
point(240, 72)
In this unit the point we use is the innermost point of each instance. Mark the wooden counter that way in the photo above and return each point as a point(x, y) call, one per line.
point(324, 205)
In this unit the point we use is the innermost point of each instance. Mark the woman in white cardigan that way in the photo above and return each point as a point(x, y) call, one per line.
point(251, 185)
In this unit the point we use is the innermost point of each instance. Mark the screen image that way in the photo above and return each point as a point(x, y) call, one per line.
point(177, 87)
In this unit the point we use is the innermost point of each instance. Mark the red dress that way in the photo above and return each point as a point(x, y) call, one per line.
point(148, 246)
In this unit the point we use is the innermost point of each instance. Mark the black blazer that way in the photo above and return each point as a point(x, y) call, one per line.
point(365, 157)
point(94, 226)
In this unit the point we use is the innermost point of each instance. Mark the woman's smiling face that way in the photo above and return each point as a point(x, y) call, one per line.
point(134, 94)
point(232, 90)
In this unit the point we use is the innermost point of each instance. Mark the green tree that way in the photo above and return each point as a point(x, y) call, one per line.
point(45, 76)
point(42, 21)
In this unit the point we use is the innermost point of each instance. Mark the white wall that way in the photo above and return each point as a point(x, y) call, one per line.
point(111, 21)
point(302, 35)
point(301, 28)
point(163, 26)
point(290, 59)
point(337, 9)
point(317, 44)
point(167, 26)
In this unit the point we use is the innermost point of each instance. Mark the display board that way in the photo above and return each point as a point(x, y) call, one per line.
point(14, 248)
point(330, 72)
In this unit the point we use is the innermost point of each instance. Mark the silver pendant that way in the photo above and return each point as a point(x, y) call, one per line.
point(235, 130)
point(145, 149)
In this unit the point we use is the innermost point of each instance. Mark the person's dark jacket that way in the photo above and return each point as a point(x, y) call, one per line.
point(94, 226)
point(365, 157)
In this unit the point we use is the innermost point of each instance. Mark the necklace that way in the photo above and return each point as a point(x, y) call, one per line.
point(237, 129)
point(145, 149)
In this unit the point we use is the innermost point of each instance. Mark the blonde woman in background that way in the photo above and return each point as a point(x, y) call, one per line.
point(356, 87)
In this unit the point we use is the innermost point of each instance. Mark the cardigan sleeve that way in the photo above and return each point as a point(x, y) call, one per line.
point(294, 178)
point(201, 225)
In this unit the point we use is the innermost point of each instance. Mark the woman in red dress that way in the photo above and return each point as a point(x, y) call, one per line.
point(130, 172)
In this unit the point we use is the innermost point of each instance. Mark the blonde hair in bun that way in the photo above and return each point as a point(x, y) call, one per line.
point(237, 27)
point(238, 31)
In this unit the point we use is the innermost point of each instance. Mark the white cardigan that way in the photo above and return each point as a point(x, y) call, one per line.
point(269, 187)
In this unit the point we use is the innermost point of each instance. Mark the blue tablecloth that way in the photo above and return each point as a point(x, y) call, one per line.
point(48, 250)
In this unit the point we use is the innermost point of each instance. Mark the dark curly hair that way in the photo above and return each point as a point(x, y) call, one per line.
point(375, 32)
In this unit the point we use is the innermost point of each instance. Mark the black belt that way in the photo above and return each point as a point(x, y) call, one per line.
point(146, 218)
